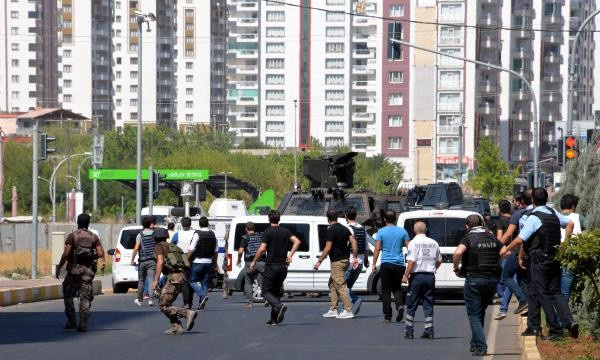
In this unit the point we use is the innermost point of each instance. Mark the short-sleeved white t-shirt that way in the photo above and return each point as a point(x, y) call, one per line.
point(425, 252)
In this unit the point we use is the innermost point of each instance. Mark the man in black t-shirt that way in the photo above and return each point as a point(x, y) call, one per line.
point(275, 242)
point(336, 246)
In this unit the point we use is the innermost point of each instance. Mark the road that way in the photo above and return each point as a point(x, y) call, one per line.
point(225, 330)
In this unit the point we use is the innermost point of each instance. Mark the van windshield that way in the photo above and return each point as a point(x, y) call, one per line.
point(446, 231)
point(128, 238)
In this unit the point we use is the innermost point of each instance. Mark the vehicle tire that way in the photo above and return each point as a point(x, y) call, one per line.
point(120, 288)
point(378, 286)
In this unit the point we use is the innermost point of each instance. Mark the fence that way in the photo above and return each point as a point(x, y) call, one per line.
point(14, 237)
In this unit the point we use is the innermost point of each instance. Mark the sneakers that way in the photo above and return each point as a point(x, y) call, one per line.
point(82, 328)
point(574, 331)
point(203, 303)
point(356, 306)
point(248, 305)
point(345, 315)
point(530, 332)
point(501, 315)
point(281, 314)
point(386, 321)
point(190, 317)
point(400, 313)
point(138, 302)
point(408, 334)
point(330, 314)
point(521, 307)
point(427, 335)
point(150, 302)
point(69, 325)
point(478, 352)
point(175, 330)
point(146, 296)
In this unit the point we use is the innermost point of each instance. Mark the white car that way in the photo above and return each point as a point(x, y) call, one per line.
point(124, 275)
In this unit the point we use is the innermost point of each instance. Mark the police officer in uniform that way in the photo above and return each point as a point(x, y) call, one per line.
point(479, 252)
point(540, 236)
point(424, 258)
point(82, 251)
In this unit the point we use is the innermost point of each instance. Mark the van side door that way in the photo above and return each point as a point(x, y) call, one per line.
point(300, 271)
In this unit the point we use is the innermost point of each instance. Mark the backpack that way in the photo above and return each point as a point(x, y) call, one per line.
point(175, 260)
point(85, 251)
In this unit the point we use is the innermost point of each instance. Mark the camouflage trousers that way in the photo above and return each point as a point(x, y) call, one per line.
point(78, 281)
point(168, 294)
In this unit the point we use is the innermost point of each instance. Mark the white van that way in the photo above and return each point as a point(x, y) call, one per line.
point(162, 213)
point(311, 230)
point(447, 227)
point(124, 275)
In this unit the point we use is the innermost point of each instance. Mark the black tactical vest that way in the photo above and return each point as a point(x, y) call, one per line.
point(205, 247)
point(483, 256)
point(547, 237)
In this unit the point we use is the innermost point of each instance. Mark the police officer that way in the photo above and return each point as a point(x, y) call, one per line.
point(479, 252)
point(540, 236)
point(175, 282)
point(424, 257)
point(82, 251)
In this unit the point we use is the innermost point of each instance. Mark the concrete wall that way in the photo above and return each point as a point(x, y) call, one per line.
point(15, 237)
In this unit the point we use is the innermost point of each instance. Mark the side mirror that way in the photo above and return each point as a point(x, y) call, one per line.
point(111, 252)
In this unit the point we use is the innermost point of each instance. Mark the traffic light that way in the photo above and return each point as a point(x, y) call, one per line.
point(570, 143)
point(44, 149)
point(156, 178)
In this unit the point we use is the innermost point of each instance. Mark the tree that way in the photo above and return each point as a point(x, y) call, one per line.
point(494, 179)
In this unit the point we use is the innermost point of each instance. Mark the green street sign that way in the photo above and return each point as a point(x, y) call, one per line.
point(131, 174)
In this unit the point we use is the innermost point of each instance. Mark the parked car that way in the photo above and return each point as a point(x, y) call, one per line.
point(124, 275)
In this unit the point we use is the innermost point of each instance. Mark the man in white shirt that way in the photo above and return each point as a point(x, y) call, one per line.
point(202, 253)
point(183, 239)
point(568, 206)
point(423, 258)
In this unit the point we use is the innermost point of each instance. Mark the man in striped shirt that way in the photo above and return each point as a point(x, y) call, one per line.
point(352, 274)
point(249, 245)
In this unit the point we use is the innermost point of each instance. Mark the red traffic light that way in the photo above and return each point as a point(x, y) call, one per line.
point(570, 141)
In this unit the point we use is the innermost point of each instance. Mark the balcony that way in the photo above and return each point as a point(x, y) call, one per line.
point(488, 87)
point(454, 107)
point(553, 58)
point(363, 69)
point(246, 132)
point(552, 98)
point(521, 95)
point(247, 6)
point(522, 126)
point(243, 53)
point(553, 38)
point(363, 132)
point(488, 20)
point(552, 79)
point(488, 2)
point(362, 21)
point(246, 69)
point(449, 85)
point(523, 53)
point(244, 84)
point(521, 115)
point(247, 100)
point(364, 85)
point(363, 100)
point(526, 73)
point(447, 130)
point(489, 42)
point(364, 54)
point(363, 116)
point(486, 131)
point(486, 108)
point(522, 33)
point(524, 12)
point(247, 22)
point(247, 37)
point(247, 116)
point(557, 20)
point(521, 135)
point(551, 115)
point(362, 37)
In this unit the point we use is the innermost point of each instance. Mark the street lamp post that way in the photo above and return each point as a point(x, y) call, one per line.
point(79, 171)
point(225, 173)
point(141, 19)
point(295, 146)
point(572, 70)
point(536, 124)
point(52, 183)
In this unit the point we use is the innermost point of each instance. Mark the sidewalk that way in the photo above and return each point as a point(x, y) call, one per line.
point(14, 292)
point(507, 340)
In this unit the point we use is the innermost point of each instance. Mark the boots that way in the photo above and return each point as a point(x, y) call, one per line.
point(82, 324)
point(175, 329)
point(190, 317)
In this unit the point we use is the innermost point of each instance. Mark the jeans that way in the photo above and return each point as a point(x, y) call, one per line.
point(199, 275)
point(272, 288)
point(500, 286)
point(420, 288)
point(566, 281)
point(257, 275)
point(479, 292)
point(351, 275)
point(511, 277)
point(337, 285)
point(391, 282)
point(146, 269)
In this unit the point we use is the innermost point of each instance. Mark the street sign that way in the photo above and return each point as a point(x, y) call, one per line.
point(131, 174)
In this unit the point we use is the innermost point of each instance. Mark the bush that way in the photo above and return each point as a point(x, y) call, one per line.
point(581, 254)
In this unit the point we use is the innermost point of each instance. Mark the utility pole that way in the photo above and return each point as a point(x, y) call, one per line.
point(295, 147)
point(1, 173)
point(460, 145)
point(150, 189)
point(34, 199)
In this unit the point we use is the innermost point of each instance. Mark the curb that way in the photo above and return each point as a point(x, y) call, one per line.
point(530, 350)
point(38, 293)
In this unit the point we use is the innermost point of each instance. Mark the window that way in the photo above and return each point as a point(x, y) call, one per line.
point(395, 143)
point(133, 116)
point(275, 126)
point(275, 47)
point(14, 62)
point(189, 65)
point(133, 88)
point(449, 79)
point(118, 88)
point(336, 2)
point(448, 61)
point(275, 79)
point(447, 145)
point(394, 120)
point(118, 75)
point(334, 110)
point(67, 53)
point(189, 117)
point(133, 102)
point(334, 79)
point(448, 124)
point(395, 99)
point(67, 24)
point(189, 104)
point(14, 31)
point(396, 77)
point(275, 95)
point(189, 78)
point(189, 53)
point(118, 5)
point(14, 78)
point(67, 39)
point(334, 63)
point(189, 91)
point(274, 141)
point(451, 35)
point(189, 12)
point(334, 142)
point(396, 10)
point(67, 98)
point(275, 32)
point(133, 47)
point(334, 95)
point(189, 26)
point(133, 74)
point(394, 51)
point(275, 110)
point(118, 18)
point(334, 126)
point(275, 64)
point(118, 102)
point(334, 31)
point(14, 95)
point(335, 16)
point(67, 83)
point(449, 102)
point(451, 12)
point(119, 116)
point(14, 47)
point(334, 48)
point(14, 14)
point(66, 68)
point(275, 16)
point(133, 61)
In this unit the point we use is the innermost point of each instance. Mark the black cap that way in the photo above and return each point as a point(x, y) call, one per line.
point(160, 233)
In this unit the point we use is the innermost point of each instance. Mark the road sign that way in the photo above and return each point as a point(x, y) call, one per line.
point(130, 174)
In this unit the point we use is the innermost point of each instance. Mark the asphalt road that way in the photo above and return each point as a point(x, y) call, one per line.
point(225, 330)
